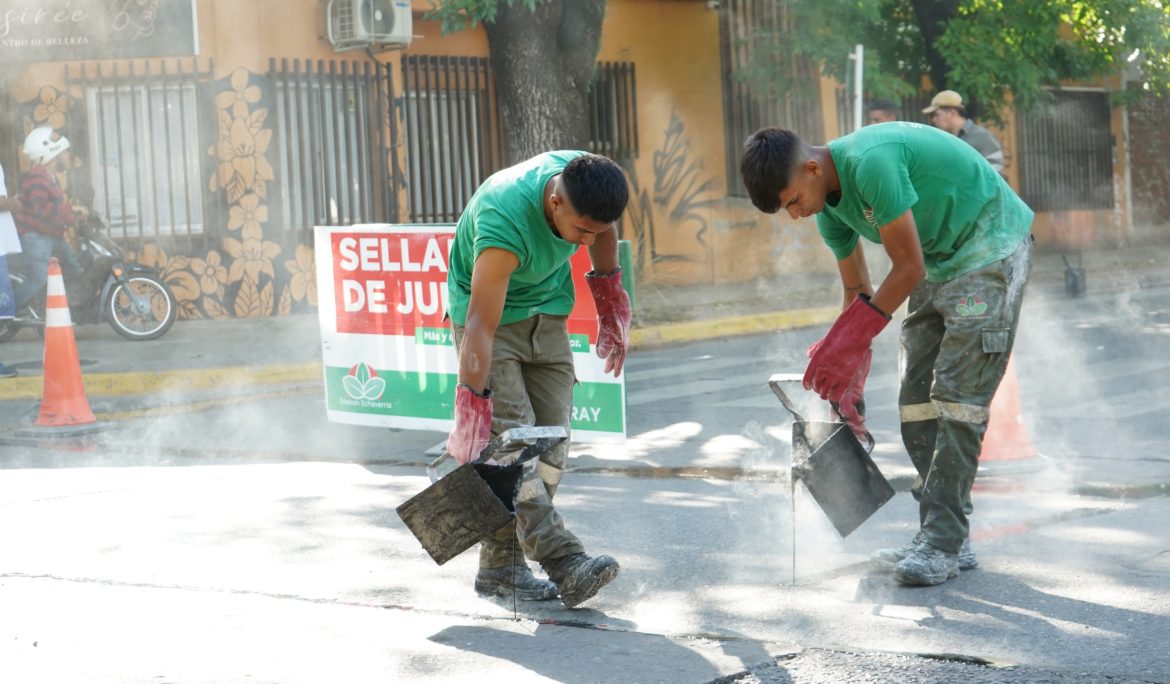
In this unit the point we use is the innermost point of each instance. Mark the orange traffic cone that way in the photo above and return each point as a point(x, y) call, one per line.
point(63, 403)
point(1007, 438)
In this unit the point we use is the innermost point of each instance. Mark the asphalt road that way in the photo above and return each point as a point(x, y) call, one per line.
point(255, 542)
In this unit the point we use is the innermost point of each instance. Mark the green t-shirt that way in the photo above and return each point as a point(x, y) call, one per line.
point(507, 212)
point(967, 215)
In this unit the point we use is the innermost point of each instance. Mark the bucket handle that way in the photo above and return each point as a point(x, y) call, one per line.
point(536, 441)
point(1068, 265)
point(775, 383)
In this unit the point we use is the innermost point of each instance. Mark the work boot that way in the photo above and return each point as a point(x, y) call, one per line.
point(886, 559)
point(927, 566)
point(580, 577)
point(500, 582)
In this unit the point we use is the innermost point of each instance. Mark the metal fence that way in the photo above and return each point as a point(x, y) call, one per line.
point(454, 138)
point(146, 129)
point(335, 136)
point(1066, 152)
point(746, 30)
point(613, 111)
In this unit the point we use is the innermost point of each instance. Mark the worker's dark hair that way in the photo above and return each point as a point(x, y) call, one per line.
point(886, 105)
point(596, 187)
point(770, 155)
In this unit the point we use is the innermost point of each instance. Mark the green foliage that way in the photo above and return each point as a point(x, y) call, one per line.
point(457, 15)
point(996, 50)
point(825, 31)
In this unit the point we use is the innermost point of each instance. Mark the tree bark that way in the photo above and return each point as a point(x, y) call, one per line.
point(933, 16)
point(543, 62)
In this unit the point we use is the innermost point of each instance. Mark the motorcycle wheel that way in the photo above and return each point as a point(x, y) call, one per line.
point(8, 330)
point(141, 323)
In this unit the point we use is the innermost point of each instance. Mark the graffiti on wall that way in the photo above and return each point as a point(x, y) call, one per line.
point(681, 191)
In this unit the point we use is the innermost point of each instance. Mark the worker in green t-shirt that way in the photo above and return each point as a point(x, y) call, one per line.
point(511, 291)
point(960, 251)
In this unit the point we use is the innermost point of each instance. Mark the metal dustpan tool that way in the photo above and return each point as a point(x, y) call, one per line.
point(834, 466)
point(474, 500)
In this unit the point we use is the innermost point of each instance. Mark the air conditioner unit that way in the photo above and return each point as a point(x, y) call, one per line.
point(355, 24)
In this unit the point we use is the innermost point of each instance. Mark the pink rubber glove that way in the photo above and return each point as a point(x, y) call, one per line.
point(613, 318)
point(837, 359)
point(473, 424)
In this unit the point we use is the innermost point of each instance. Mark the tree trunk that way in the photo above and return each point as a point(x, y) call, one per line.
point(543, 62)
point(933, 16)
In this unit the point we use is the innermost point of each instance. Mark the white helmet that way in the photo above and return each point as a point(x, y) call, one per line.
point(40, 146)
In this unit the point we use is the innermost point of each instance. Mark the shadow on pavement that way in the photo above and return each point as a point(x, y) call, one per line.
point(562, 654)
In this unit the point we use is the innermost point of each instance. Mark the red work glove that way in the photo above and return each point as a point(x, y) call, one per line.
point(852, 405)
point(473, 424)
point(851, 408)
point(613, 318)
point(837, 359)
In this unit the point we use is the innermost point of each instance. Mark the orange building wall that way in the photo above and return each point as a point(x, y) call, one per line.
point(684, 226)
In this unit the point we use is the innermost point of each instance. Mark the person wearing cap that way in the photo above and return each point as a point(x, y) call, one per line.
point(45, 214)
point(957, 236)
point(948, 112)
point(882, 110)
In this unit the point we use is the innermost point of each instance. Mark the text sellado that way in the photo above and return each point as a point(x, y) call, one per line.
point(418, 283)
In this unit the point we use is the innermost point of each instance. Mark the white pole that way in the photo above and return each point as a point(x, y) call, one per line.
point(858, 88)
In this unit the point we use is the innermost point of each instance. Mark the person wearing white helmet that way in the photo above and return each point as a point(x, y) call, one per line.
point(45, 214)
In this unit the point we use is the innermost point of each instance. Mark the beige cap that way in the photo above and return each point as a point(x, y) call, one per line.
point(945, 98)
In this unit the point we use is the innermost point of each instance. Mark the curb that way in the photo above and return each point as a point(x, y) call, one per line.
point(693, 331)
point(102, 385)
point(130, 383)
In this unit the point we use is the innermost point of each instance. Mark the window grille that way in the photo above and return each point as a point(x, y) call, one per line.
point(334, 134)
point(613, 111)
point(454, 138)
point(145, 155)
point(747, 27)
point(1066, 152)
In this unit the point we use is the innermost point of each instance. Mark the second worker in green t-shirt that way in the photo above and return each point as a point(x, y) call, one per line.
point(958, 240)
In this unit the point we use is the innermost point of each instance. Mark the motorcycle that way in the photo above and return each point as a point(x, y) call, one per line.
point(132, 298)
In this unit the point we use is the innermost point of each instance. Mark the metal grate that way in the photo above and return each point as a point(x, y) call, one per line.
point(1066, 152)
point(747, 107)
point(143, 141)
point(454, 137)
point(335, 134)
point(613, 111)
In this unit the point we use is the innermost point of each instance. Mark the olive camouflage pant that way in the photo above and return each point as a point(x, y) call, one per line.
point(532, 381)
point(955, 345)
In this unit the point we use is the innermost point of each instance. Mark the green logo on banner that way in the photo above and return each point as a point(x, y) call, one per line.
point(400, 393)
point(362, 389)
point(579, 344)
point(362, 382)
point(435, 336)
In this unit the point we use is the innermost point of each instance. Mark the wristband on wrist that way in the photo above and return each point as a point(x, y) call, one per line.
point(595, 274)
point(486, 392)
point(866, 298)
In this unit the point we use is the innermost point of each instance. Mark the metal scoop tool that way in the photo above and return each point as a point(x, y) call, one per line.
point(834, 466)
point(462, 507)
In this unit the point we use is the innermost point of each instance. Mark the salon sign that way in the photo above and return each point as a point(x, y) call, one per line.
point(62, 30)
point(389, 360)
